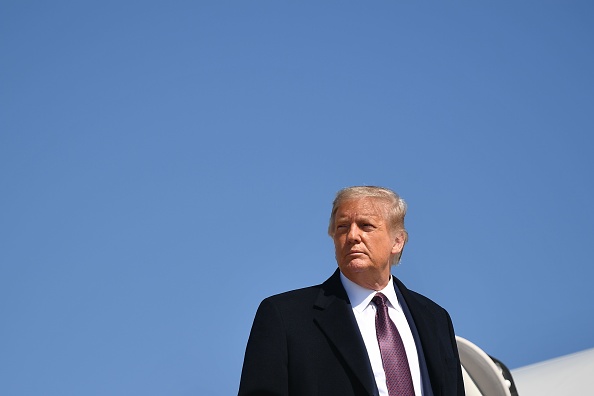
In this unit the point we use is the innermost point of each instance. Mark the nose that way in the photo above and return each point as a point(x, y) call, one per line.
point(353, 235)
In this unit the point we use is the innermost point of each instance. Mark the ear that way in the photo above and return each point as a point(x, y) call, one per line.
point(398, 244)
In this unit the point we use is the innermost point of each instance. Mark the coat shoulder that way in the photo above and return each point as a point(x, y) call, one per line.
point(291, 303)
point(419, 299)
point(298, 296)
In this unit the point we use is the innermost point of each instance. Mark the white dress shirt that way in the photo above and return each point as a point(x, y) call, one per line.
point(364, 311)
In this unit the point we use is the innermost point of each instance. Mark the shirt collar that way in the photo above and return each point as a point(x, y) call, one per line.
point(360, 297)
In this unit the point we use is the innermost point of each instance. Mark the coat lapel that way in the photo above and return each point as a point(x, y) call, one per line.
point(428, 335)
point(333, 314)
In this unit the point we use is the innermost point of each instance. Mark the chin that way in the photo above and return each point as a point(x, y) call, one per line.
point(355, 267)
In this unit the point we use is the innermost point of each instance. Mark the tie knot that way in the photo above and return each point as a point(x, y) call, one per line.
point(379, 299)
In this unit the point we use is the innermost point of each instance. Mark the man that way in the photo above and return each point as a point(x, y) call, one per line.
point(362, 332)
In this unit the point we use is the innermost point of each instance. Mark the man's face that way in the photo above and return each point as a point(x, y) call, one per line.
point(363, 241)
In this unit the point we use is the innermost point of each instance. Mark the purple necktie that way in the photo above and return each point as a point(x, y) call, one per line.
point(394, 359)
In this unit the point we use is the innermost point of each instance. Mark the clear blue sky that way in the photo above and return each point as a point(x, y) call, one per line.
point(164, 166)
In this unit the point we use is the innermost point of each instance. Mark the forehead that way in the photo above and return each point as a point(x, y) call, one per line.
point(361, 207)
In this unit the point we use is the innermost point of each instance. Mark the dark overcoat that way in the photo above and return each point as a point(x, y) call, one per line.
point(306, 342)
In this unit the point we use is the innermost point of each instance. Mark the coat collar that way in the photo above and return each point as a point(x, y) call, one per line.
point(424, 319)
point(334, 315)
